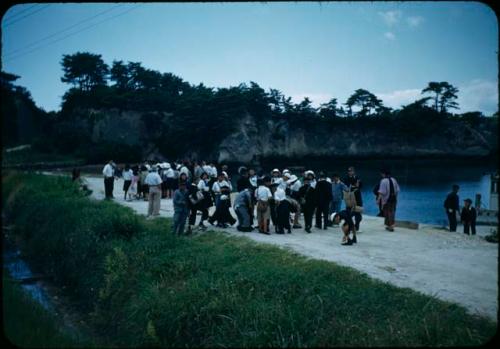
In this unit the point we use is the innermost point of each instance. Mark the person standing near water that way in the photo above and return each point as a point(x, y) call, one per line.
point(153, 180)
point(355, 185)
point(109, 176)
point(468, 217)
point(323, 200)
point(451, 207)
point(388, 192)
point(127, 175)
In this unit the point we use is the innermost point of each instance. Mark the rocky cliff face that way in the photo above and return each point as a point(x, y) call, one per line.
point(253, 140)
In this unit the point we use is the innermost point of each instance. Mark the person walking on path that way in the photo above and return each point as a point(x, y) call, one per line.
point(388, 192)
point(263, 195)
point(127, 175)
point(199, 200)
point(451, 206)
point(323, 199)
point(181, 209)
point(243, 206)
point(132, 190)
point(468, 217)
point(109, 177)
point(153, 180)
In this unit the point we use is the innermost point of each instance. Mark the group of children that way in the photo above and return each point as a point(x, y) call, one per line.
point(278, 198)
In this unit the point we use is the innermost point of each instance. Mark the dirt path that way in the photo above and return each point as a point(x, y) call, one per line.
point(450, 266)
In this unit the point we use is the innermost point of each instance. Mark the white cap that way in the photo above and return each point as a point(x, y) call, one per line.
point(286, 174)
point(223, 197)
point(275, 170)
point(224, 173)
point(167, 165)
point(328, 179)
point(309, 172)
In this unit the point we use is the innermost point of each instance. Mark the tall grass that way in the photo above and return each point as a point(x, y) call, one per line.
point(28, 325)
point(145, 286)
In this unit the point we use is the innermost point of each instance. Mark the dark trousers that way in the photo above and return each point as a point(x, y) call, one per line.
point(471, 226)
point(272, 207)
point(322, 210)
point(452, 218)
point(108, 186)
point(308, 215)
point(192, 216)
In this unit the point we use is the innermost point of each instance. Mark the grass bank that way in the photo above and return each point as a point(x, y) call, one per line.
point(27, 324)
point(144, 286)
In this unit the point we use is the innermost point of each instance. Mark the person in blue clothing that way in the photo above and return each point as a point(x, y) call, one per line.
point(181, 209)
point(337, 194)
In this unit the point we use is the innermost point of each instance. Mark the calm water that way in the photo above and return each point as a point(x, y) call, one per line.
point(424, 183)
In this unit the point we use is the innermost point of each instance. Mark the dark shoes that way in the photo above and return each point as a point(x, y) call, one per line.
point(389, 228)
point(308, 230)
point(296, 226)
point(289, 231)
point(354, 240)
point(347, 242)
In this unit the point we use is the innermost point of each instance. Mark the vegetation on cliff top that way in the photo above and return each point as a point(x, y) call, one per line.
point(200, 116)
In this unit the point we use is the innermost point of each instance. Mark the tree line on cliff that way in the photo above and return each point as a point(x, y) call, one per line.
point(201, 116)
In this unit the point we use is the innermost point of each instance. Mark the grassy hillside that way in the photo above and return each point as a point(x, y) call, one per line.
point(145, 286)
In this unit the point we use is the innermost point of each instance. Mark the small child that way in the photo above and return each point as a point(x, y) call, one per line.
point(468, 217)
point(283, 208)
point(181, 209)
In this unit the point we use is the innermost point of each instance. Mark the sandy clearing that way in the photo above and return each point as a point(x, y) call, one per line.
point(451, 266)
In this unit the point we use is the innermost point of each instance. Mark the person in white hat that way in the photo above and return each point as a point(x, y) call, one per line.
point(292, 190)
point(276, 176)
point(283, 208)
point(283, 184)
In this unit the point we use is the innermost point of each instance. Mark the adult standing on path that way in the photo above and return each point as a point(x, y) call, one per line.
point(109, 176)
point(355, 185)
point(451, 206)
point(388, 192)
point(323, 199)
point(337, 194)
point(127, 175)
point(181, 209)
point(153, 180)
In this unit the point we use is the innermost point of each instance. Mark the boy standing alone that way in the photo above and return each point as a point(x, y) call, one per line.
point(468, 217)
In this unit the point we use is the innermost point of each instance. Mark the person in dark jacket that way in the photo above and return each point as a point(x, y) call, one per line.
point(307, 199)
point(283, 209)
point(323, 200)
point(354, 184)
point(468, 217)
point(181, 209)
point(243, 182)
point(451, 206)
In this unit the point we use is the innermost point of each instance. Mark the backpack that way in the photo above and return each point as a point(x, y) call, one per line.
point(196, 197)
point(392, 193)
point(349, 199)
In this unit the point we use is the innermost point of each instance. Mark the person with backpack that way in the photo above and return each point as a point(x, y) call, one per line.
point(388, 192)
point(354, 184)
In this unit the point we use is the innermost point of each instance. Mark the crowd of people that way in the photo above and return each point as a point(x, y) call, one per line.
point(277, 199)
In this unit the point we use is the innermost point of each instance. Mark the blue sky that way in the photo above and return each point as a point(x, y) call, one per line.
point(316, 49)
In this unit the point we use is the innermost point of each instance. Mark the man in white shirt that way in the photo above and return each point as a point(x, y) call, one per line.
point(153, 180)
point(108, 172)
point(263, 194)
point(388, 196)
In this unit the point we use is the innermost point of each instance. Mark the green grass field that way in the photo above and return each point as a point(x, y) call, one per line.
point(144, 286)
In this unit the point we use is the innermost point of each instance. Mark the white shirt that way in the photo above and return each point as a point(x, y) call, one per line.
point(213, 171)
point(127, 175)
point(153, 178)
point(170, 173)
point(313, 183)
point(202, 185)
point(108, 171)
point(282, 184)
point(217, 185)
point(253, 181)
point(263, 193)
point(207, 169)
point(185, 170)
point(279, 194)
point(276, 180)
point(296, 186)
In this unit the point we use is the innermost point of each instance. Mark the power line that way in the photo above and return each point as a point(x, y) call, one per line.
point(74, 33)
point(29, 14)
point(20, 12)
point(62, 31)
